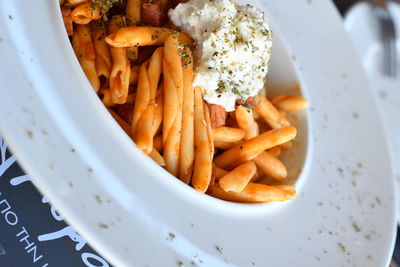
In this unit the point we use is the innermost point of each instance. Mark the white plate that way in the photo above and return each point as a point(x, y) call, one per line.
point(363, 29)
point(344, 213)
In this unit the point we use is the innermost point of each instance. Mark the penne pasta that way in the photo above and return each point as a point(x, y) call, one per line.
point(253, 147)
point(237, 179)
point(269, 113)
point(142, 97)
point(255, 193)
point(171, 64)
point(144, 132)
point(132, 12)
point(219, 172)
point(139, 36)
point(157, 143)
point(290, 103)
point(103, 56)
point(76, 2)
point(286, 145)
point(158, 113)
point(132, 15)
point(186, 154)
point(156, 156)
point(275, 151)
point(85, 13)
point(144, 76)
point(106, 99)
point(84, 48)
point(224, 145)
point(228, 134)
point(173, 100)
point(202, 170)
point(120, 71)
point(209, 129)
point(271, 166)
point(245, 120)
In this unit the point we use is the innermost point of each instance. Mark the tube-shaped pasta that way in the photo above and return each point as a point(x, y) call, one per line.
point(173, 100)
point(76, 2)
point(158, 113)
point(132, 15)
point(208, 127)
point(271, 166)
point(224, 145)
point(85, 13)
point(290, 103)
point(202, 170)
point(275, 151)
point(120, 71)
point(237, 179)
point(138, 36)
point(142, 97)
point(286, 145)
point(187, 139)
point(228, 134)
point(144, 130)
point(269, 113)
point(155, 155)
point(84, 48)
point(103, 57)
point(245, 120)
point(106, 99)
point(157, 143)
point(219, 172)
point(171, 65)
point(255, 193)
point(253, 147)
point(132, 11)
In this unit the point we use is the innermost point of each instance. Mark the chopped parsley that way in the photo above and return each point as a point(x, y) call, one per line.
point(104, 6)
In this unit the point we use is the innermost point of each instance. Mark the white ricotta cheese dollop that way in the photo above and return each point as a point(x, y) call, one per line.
point(232, 48)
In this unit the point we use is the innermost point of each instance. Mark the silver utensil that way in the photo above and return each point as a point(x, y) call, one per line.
point(387, 33)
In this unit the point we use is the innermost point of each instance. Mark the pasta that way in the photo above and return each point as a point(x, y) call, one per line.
point(132, 18)
point(85, 52)
point(120, 71)
point(85, 13)
point(173, 101)
point(144, 136)
point(139, 36)
point(186, 153)
point(103, 57)
point(144, 76)
point(203, 146)
point(75, 2)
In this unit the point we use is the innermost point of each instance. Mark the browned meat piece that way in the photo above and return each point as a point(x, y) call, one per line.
point(217, 115)
point(154, 12)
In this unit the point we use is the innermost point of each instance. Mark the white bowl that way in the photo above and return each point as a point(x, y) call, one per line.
point(130, 210)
